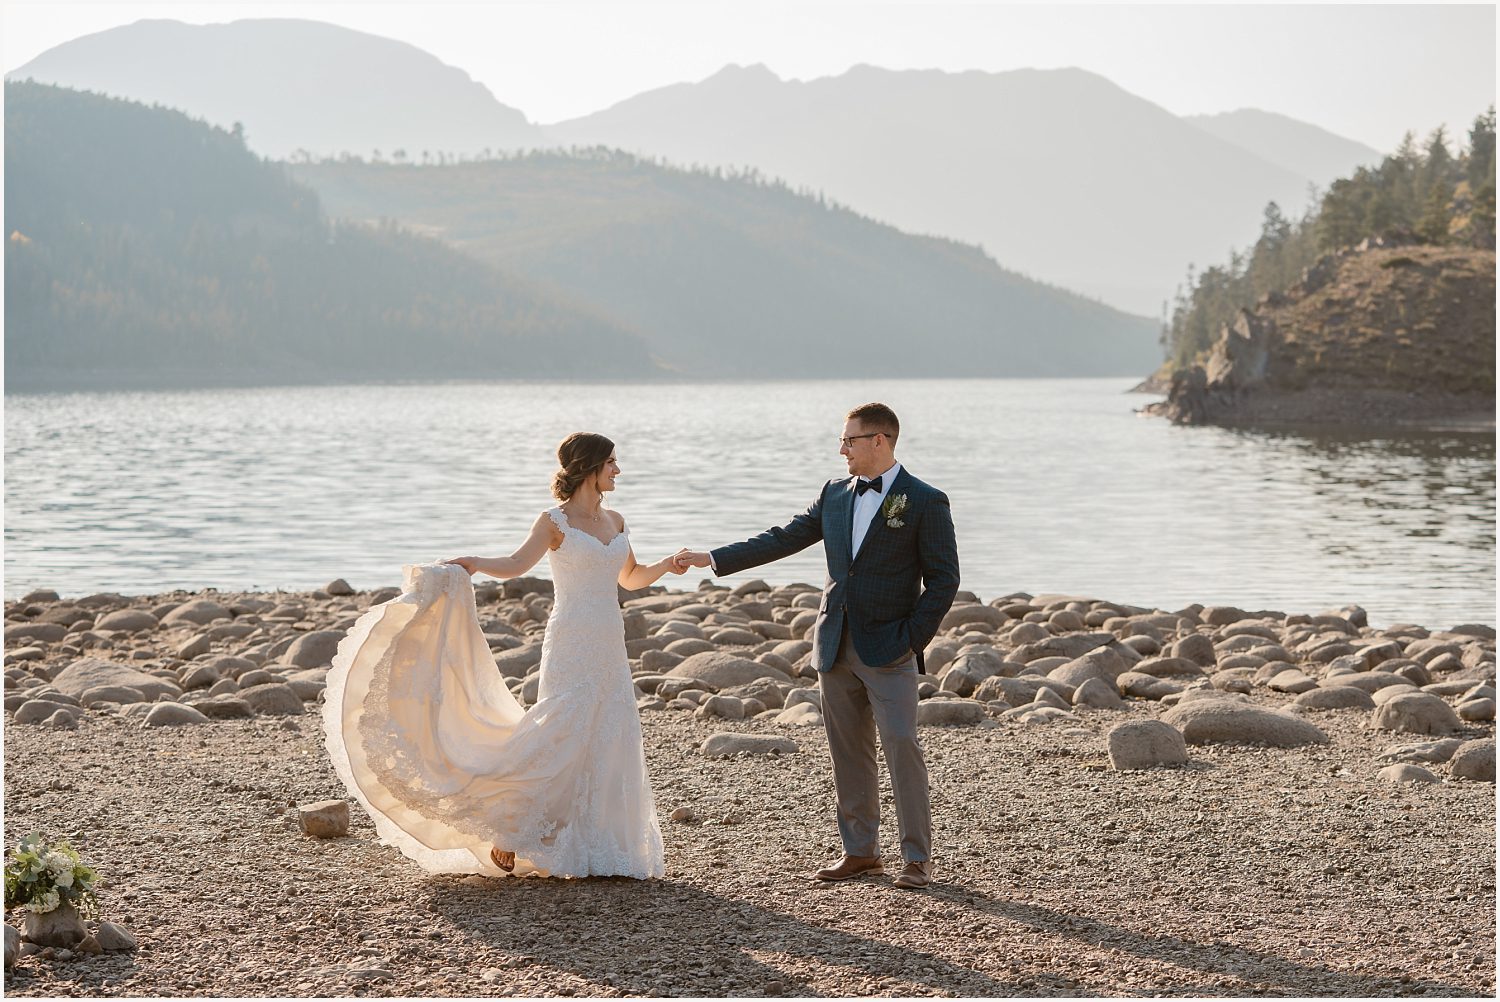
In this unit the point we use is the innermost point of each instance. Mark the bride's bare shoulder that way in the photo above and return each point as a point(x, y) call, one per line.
point(617, 518)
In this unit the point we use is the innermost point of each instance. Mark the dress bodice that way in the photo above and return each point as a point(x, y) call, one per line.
point(584, 570)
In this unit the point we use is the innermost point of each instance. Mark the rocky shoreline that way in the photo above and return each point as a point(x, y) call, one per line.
point(1128, 801)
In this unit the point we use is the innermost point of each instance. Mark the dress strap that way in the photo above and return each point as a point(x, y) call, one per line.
point(558, 518)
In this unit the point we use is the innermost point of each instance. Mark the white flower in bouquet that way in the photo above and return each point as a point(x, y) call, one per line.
point(46, 903)
point(58, 862)
point(64, 879)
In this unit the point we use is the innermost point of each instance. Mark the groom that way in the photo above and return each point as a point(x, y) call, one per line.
point(892, 574)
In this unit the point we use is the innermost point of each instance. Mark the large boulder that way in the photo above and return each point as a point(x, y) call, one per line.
point(1423, 751)
point(1337, 697)
point(1178, 668)
point(92, 673)
point(1292, 681)
point(950, 712)
point(199, 612)
point(723, 671)
point(172, 715)
point(1197, 648)
point(1144, 744)
point(272, 698)
point(800, 715)
point(225, 708)
point(1221, 719)
point(521, 661)
point(1369, 681)
point(309, 682)
point(1416, 713)
point(1474, 760)
point(727, 743)
point(1017, 691)
point(313, 650)
point(1099, 694)
point(1477, 709)
point(764, 689)
point(722, 708)
point(1084, 669)
point(128, 621)
point(1380, 697)
point(1070, 647)
point(1405, 772)
point(964, 615)
point(35, 711)
point(122, 694)
point(46, 633)
point(1140, 686)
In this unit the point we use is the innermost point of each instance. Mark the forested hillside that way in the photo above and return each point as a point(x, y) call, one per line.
point(727, 273)
point(146, 248)
point(1421, 194)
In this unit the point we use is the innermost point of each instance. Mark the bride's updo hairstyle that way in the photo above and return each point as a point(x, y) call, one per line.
point(581, 455)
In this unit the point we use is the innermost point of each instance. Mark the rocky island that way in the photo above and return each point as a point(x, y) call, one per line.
point(1371, 335)
point(1128, 801)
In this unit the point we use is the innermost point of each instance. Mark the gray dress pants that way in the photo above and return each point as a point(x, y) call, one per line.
point(858, 702)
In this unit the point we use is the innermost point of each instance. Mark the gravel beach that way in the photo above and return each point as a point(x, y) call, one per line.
point(1061, 868)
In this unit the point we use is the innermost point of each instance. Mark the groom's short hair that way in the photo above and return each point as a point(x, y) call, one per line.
point(876, 417)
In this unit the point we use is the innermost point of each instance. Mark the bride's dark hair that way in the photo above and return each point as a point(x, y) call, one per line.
point(581, 455)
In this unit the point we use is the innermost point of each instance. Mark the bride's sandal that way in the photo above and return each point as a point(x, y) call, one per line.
point(505, 860)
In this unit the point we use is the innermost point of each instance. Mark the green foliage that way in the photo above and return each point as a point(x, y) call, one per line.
point(40, 877)
point(143, 242)
point(1422, 193)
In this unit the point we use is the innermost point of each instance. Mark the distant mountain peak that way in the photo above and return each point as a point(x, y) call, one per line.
point(295, 84)
point(736, 73)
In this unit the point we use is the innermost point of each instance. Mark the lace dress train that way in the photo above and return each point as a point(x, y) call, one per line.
point(426, 736)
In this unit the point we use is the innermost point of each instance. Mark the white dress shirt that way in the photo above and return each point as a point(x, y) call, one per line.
point(868, 503)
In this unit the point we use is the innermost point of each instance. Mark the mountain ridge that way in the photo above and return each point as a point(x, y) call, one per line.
point(874, 138)
point(729, 275)
point(981, 170)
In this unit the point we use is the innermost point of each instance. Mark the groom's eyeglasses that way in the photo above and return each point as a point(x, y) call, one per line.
point(846, 442)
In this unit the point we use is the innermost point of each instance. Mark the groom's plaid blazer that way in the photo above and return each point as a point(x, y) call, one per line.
point(893, 594)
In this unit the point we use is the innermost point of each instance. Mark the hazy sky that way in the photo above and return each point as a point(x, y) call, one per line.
point(1365, 72)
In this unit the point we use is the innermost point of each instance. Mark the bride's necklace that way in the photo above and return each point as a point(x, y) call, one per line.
point(592, 516)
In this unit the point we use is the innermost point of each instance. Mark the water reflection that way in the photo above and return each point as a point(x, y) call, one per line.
point(1057, 486)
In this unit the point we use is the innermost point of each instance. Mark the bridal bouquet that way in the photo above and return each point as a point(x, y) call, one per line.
point(41, 878)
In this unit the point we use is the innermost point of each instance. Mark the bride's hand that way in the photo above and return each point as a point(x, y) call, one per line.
point(469, 564)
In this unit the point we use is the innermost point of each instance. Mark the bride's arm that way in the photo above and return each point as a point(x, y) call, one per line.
point(519, 562)
point(634, 576)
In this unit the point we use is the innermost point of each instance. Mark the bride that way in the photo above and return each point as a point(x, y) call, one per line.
point(454, 772)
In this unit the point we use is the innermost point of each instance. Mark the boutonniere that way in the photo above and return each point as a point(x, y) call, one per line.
point(893, 509)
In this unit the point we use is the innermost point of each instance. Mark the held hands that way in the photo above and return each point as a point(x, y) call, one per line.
point(683, 559)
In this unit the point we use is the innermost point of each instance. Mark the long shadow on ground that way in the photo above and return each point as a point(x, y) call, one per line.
point(670, 938)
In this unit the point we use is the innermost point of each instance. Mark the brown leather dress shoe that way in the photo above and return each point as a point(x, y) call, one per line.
point(851, 866)
point(915, 876)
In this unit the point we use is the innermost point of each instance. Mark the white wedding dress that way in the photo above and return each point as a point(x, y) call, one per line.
point(426, 736)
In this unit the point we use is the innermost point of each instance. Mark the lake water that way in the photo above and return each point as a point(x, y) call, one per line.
point(1057, 486)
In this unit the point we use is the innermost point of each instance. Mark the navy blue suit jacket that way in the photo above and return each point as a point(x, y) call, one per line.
point(893, 594)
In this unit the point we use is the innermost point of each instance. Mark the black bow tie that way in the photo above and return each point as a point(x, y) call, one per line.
point(867, 485)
